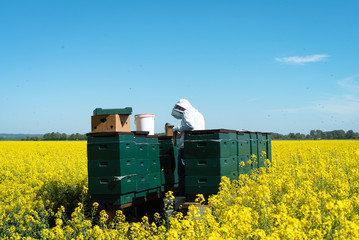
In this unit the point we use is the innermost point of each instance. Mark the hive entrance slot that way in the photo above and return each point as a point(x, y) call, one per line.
point(103, 164)
point(201, 144)
point(102, 146)
point(104, 181)
point(202, 180)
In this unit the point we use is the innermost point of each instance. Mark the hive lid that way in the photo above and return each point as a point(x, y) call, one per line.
point(165, 137)
point(246, 131)
point(211, 131)
point(145, 133)
point(101, 111)
point(252, 132)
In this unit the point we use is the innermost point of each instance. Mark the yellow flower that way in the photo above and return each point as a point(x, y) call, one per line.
point(309, 190)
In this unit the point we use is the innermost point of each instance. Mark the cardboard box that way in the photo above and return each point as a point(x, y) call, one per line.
point(110, 123)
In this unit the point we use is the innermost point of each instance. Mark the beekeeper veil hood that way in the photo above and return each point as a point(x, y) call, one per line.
point(180, 107)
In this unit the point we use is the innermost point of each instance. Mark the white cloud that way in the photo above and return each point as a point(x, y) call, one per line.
point(347, 105)
point(336, 111)
point(350, 83)
point(303, 59)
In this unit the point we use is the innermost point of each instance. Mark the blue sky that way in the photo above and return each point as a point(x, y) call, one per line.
point(277, 66)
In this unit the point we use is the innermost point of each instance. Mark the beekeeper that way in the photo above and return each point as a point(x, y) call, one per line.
point(191, 119)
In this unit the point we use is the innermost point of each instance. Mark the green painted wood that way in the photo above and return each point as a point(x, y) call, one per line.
point(122, 111)
point(110, 185)
point(104, 168)
point(211, 166)
point(210, 148)
point(206, 184)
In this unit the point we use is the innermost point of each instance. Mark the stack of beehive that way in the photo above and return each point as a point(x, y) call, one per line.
point(122, 165)
point(211, 154)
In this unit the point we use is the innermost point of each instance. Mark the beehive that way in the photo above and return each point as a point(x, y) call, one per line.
point(209, 155)
point(122, 166)
point(212, 154)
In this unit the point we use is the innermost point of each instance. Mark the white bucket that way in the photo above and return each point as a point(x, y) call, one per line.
point(145, 122)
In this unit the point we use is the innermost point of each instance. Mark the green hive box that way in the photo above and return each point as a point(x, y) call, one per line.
point(262, 149)
point(103, 148)
point(142, 182)
point(148, 184)
point(211, 166)
point(211, 134)
point(254, 145)
point(210, 148)
point(206, 184)
point(154, 180)
point(113, 199)
point(116, 150)
point(112, 185)
point(244, 145)
point(218, 143)
point(154, 165)
point(142, 166)
point(111, 146)
point(148, 181)
point(149, 144)
point(153, 150)
point(103, 168)
point(247, 167)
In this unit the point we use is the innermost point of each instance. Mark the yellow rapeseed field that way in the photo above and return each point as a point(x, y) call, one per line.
point(309, 191)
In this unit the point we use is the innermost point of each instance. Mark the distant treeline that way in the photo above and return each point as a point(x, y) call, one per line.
point(57, 136)
point(317, 134)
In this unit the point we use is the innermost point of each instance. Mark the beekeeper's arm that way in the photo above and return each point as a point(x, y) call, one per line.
point(186, 123)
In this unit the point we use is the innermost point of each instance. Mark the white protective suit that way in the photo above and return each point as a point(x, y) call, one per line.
point(192, 119)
